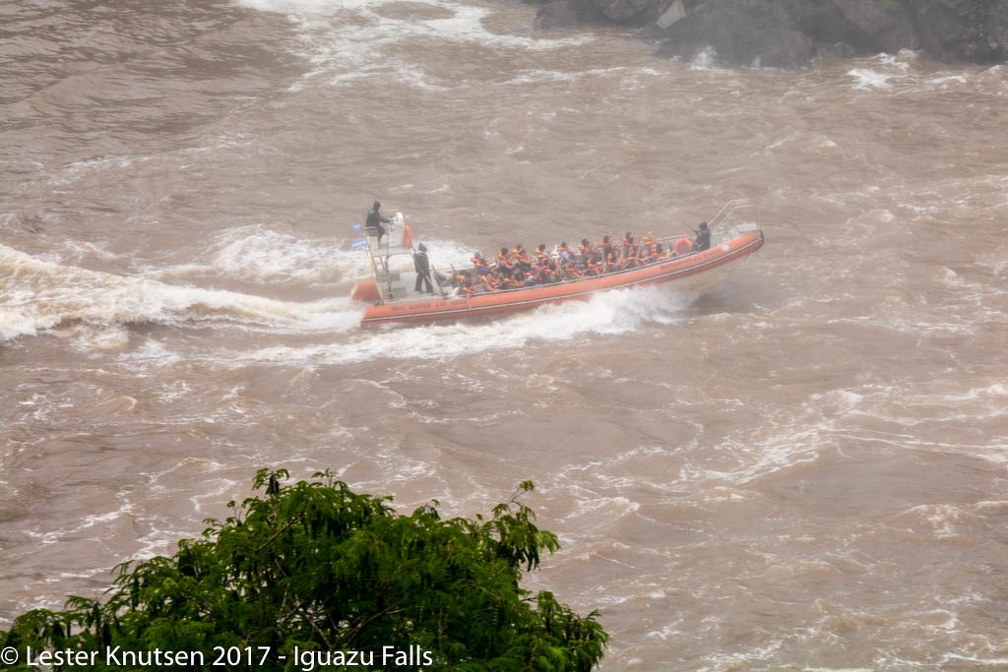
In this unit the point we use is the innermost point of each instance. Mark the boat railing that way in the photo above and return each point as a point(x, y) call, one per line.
point(387, 278)
point(728, 210)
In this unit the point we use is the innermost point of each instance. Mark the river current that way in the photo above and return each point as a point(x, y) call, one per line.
point(806, 467)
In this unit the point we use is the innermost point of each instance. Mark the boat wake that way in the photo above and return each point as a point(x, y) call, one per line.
point(610, 313)
point(40, 296)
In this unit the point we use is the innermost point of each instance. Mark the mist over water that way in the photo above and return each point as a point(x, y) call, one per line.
point(806, 466)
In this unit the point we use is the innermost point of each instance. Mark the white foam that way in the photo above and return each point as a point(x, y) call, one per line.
point(39, 295)
point(54, 536)
point(944, 82)
point(704, 59)
point(261, 255)
point(349, 40)
point(610, 313)
point(865, 79)
point(879, 74)
point(550, 76)
point(667, 632)
point(14, 324)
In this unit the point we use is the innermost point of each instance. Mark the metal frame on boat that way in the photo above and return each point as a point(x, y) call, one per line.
point(388, 288)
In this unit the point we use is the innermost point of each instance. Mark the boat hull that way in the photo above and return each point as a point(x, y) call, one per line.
point(492, 304)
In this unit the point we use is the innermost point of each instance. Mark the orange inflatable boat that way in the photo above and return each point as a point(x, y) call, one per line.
point(464, 296)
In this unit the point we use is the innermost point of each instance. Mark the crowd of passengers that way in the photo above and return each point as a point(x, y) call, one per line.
point(512, 269)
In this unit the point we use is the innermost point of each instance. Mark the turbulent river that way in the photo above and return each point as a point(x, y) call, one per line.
point(807, 466)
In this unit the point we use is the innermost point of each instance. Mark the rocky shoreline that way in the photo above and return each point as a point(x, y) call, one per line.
point(788, 34)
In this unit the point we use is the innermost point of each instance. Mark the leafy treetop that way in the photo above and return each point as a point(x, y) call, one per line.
point(316, 566)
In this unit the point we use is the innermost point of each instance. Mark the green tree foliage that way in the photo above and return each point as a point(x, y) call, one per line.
point(315, 566)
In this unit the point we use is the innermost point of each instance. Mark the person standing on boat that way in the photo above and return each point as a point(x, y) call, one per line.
point(422, 265)
point(702, 240)
point(375, 220)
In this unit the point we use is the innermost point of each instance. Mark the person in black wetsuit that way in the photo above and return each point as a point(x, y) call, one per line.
point(702, 240)
point(422, 266)
point(375, 220)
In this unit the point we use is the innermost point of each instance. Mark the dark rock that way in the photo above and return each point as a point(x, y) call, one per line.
point(965, 31)
point(632, 12)
point(866, 15)
point(559, 14)
point(866, 27)
point(742, 34)
point(789, 33)
point(568, 13)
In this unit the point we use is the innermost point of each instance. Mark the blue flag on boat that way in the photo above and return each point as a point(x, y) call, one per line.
point(357, 226)
point(358, 244)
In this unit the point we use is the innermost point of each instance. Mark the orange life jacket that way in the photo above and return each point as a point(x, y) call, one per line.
point(504, 260)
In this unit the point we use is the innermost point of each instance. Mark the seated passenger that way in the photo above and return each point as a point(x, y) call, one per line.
point(542, 254)
point(504, 261)
point(465, 284)
point(521, 256)
point(491, 282)
point(628, 260)
point(513, 281)
point(569, 272)
point(565, 253)
point(480, 263)
point(629, 245)
point(649, 243)
point(609, 256)
point(550, 274)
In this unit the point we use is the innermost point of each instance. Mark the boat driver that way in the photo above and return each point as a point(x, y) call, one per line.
point(375, 220)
